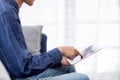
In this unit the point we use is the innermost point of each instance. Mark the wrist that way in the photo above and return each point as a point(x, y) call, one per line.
point(60, 49)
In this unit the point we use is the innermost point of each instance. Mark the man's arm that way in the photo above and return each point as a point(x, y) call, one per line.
point(14, 54)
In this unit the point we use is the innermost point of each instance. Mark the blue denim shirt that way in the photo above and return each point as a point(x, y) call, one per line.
point(13, 51)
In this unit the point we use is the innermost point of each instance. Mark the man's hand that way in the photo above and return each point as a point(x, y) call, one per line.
point(64, 61)
point(69, 52)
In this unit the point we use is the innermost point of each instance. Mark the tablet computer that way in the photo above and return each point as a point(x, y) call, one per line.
point(85, 53)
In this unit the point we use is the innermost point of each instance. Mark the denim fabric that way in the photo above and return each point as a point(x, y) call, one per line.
point(13, 51)
point(59, 73)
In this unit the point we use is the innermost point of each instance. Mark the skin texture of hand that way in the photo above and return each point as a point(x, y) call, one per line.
point(69, 52)
point(64, 61)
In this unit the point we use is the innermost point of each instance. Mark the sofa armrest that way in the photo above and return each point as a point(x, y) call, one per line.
point(4, 75)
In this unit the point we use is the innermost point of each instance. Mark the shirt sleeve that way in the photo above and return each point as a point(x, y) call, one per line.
point(38, 63)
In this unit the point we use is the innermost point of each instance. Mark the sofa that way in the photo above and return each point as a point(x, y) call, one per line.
point(36, 42)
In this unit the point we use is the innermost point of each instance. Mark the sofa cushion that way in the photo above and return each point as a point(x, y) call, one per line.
point(3, 73)
point(33, 37)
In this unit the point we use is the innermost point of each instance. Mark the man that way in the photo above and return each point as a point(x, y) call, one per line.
point(20, 64)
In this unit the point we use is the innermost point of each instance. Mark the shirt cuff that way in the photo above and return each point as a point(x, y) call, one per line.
point(56, 54)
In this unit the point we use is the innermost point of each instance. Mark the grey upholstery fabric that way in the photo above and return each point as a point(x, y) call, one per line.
point(3, 73)
point(33, 37)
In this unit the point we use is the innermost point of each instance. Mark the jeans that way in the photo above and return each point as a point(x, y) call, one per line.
point(59, 73)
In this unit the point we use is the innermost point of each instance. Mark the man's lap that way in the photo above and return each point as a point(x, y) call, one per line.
point(51, 72)
point(69, 76)
point(58, 73)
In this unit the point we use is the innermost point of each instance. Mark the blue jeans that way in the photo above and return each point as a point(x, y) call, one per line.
point(59, 73)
